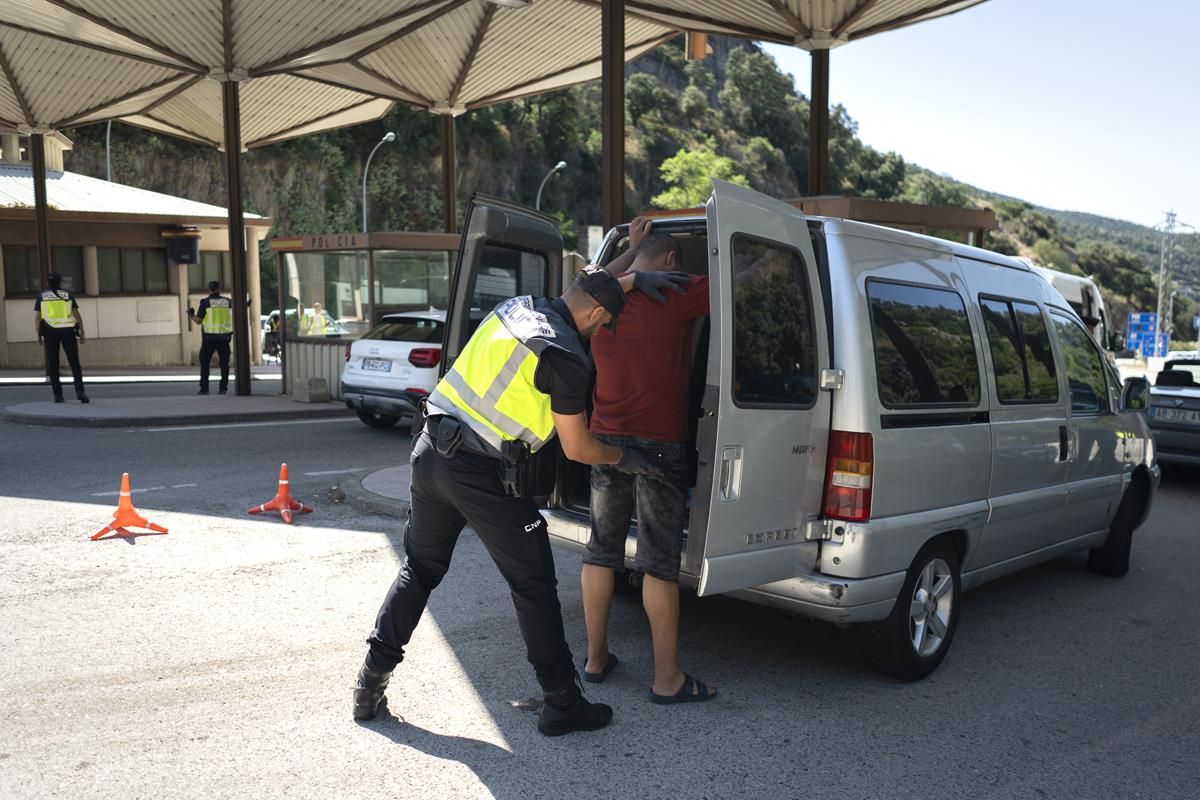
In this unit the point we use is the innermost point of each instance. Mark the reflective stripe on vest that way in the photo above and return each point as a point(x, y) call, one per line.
point(218, 318)
point(56, 311)
point(491, 386)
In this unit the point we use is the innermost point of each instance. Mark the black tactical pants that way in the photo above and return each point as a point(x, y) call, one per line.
point(208, 346)
point(52, 339)
point(448, 493)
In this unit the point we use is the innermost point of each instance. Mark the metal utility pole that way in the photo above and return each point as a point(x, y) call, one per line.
point(1166, 260)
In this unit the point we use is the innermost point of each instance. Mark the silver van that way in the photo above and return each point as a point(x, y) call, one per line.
point(882, 420)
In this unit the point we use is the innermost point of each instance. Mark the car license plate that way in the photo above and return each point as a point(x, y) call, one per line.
point(1175, 414)
point(377, 364)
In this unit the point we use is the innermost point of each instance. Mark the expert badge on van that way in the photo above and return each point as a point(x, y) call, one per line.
point(881, 420)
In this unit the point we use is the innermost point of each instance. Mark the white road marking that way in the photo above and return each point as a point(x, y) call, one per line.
point(241, 425)
point(132, 491)
point(336, 471)
point(185, 485)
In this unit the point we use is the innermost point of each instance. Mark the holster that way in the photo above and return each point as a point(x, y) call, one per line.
point(516, 475)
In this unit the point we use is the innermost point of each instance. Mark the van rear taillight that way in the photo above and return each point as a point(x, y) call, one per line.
point(425, 356)
point(848, 479)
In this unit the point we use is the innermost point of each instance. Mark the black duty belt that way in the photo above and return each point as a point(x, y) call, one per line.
point(515, 461)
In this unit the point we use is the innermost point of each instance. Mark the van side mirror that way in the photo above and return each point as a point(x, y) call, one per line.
point(1135, 396)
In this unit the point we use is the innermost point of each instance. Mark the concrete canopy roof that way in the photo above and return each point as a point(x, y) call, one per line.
point(311, 65)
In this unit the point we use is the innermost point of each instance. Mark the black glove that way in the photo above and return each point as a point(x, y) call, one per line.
point(652, 283)
point(191, 311)
point(634, 463)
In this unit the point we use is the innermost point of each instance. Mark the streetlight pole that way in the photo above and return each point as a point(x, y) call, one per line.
point(387, 137)
point(537, 204)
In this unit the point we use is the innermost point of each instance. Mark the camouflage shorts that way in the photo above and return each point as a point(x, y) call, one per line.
point(661, 501)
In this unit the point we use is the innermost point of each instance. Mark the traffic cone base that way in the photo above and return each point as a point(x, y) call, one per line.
point(282, 501)
point(126, 516)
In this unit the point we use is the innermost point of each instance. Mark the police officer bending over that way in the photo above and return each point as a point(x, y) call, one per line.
point(522, 378)
point(57, 321)
point(215, 318)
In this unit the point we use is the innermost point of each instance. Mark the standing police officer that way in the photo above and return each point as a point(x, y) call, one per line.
point(57, 322)
point(522, 378)
point(215, 319)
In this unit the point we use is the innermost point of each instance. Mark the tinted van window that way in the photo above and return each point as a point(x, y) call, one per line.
point(408, 329)
point(774, 344)
point(1021, 356)
point(1085, 368)
point(924, 351)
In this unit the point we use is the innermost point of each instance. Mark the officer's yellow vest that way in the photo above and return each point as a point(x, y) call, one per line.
point(491, 387)
point(217, 319)
point(56, 311)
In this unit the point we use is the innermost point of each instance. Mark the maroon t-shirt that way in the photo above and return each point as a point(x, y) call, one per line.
point(642, 370)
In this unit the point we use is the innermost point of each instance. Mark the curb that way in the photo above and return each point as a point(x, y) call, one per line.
point(194, 419)
point(365, 500)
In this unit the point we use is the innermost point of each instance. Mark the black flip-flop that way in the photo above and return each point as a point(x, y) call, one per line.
point(692, 691)
point(597, 677)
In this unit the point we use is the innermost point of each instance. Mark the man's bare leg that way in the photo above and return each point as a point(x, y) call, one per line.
point(597, 584)
point(661, 600)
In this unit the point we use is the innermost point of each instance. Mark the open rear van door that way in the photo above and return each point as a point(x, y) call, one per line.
point(765, 424)
point(506, 251)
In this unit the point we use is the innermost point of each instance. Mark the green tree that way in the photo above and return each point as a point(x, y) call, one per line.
point(933, 190)
point(688, 173)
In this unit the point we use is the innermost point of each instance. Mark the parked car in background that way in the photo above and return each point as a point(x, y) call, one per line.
point(1175, 411)
point(393, 366)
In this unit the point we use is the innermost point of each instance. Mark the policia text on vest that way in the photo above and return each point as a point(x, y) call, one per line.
point(522, 379)
point(57, 321)
point(215, 318)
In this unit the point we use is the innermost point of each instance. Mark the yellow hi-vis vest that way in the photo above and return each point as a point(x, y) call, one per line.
point(218, 317)
point(490, 388)
point(56, 309)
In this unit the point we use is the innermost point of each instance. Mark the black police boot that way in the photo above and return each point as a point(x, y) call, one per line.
point(223, 390)
point(58, 398)
point(368, 692)
point(202, 391)
point(81, 395)
point(566, 711)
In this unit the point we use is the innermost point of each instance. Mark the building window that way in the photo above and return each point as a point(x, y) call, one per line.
point(924, 351)
point(22, 274)
point(213, 266)
point(132, 270)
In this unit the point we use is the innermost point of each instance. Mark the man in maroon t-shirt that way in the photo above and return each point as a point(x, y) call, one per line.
point(640, 401)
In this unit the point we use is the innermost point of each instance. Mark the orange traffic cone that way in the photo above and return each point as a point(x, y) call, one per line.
point(282, 501)
point(126, 516)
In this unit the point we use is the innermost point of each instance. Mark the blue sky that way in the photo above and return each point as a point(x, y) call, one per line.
point(1089, 105)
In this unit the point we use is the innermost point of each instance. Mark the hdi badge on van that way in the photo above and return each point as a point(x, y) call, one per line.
point(880, 420)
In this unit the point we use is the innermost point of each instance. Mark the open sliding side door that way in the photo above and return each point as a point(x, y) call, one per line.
point(765, 426)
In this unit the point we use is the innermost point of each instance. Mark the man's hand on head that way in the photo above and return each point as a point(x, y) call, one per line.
point(637, 231)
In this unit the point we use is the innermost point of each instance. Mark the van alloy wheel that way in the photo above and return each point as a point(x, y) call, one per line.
point(931, 607)
point(916, 636)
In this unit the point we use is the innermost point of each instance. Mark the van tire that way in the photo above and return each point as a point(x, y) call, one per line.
point(1112, 557)
point(376, 420)
point(891, 645)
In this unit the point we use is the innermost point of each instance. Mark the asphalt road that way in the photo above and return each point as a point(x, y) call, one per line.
point(216, 661)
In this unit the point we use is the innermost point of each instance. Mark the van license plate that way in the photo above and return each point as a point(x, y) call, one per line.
point(1175, 414)
point(377, 364)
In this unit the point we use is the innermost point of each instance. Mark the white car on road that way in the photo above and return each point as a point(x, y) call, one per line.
point(393, 366)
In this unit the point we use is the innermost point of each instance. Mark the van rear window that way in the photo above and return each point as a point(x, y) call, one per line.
point(413, 329)
point(924, 351)
point(774, 341)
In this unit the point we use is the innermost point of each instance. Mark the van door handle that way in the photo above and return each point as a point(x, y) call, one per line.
point(1064, 445)
point(731, 474)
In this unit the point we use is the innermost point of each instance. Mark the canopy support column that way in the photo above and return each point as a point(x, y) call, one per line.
point(818, 130)
point(612, 112)
point(232, 112)
point(37, 154)
point(449, 176)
